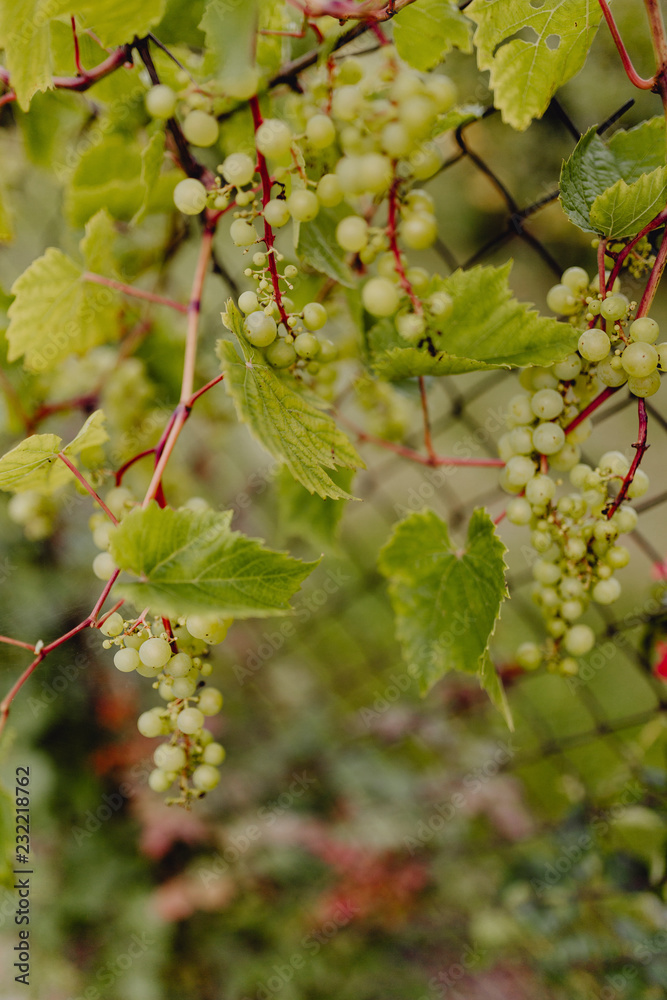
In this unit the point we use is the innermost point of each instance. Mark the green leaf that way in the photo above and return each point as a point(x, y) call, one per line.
point(309, 516)
point(191, 562)
point(426, 31)
point(462, 115)
point(55, 312)
point(231, 31)
point(108, 175)
point(595, 167)
point(152, 156)
point(491, 683)
point(624, 209)
point(33, 465)
point(446, 601)
point(25, 37)
point(526, 72)
point(488, 328)
point(284, 422)
point(91, 435)
point(6, 227)
point(318, 247)
point(115, 22)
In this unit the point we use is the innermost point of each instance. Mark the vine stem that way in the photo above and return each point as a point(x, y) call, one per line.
point(266, 196)
point(657, 26)
point(659, 220)
point(348, 10)
point(399, 267)
point(415, 456)
point(601, 398)
point(84, 81)
point(631, 72)
point(17, 642)
point(428, 440)
point(654, 278)
point(137, 293)
point(86, 485)
point(43, 651)
point(641, 447)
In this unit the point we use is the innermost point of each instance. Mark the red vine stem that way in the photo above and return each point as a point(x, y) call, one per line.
point(632, 74)
point(428, 441)
point(77, 54)
point(137, 293)
point(268, 231)
point(659, 220)
point(85, 80)
point(601, 398)
point(654, 278)
point(130, 462)
point(200, 392)
point(641, 448)
point(17, 642)
point(399, 267)
point(657, 26)
point(86, 485)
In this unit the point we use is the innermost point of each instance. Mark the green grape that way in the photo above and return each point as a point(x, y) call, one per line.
point(425, 161)
point(571, 610)
point(547, 404)
point(200, 129)
point(614, 307)
point(579, 640)
point(160, 101)
point(320, 131)
point(158, 780)
point(639, 359)
point(314, 316)
point(237, 169)
point(420, 279)
point(210, 701)
point(260, 329)
point(179, 665)
point(419, 231)
point(274, 138)
point(126, 660)
point(248, 302)
point(441, 305)
point(104, 566)
point(205, 777)
point(571, 588)
point(214, 754)
point(307, 346)
point(396, 141)
point(575, 549)
point(242, 85)
point(520, 470)
point(561, 301)
point(549, 598)
point(540, 490)
point(606, 591)
point(419, 200)
point(545, 572)
point(581, 432)
point(576, 279)
point(276, 213)
point(411, 326)
point(242, 233)
point(328, 351)
point(280, 355)
point(418, 114)
point(556, 627)
point(639, 485)
point(594, 345)
point(184, 687)
point(645, 329)
point(189, 720)
point(165, 690)
point(352, 233)
point(347, 102)
point(380, 297)
point(155, 653)
point(520, 410)
point(113, 625)
point(541, 541)
point(568, 369)
point(190, 196)
point(565, 458)
point(519, 511)
point(210, 628)
point(662, 356)
point(169, 757)
point(376, 173)
point(548, 438)
point(135, 640)
point(329, 191)
point(646, 386)
point(348, 174)
point(613, 463)
point(303, 205)
point(150, 724)
point(529, 656)
point(442, 91)
point(617, 557)
point(609, 374)
point(625, 519)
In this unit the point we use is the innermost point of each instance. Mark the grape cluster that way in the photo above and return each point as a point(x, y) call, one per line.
point(174, 659)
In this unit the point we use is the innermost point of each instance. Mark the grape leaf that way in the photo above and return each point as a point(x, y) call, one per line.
point(446, 601)
point(426, 31)
point(317, 246)
point(624, 209)
point(462, 115)
point(55, 312)
point(25, 37)
point(230, 37)
point(488, 328)
point(33, 464)
point(525, 74)
point(309, 516)
point(115, 22)
point(91, 435)
point(290, 427)
point(108, 175)
point(152, 156)
point(191, 562)
point(595, 166)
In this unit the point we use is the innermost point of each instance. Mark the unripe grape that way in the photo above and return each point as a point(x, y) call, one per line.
point(328, 351)
point(639, 485)
point(579, 640)
point(425, 161)
point(184, 687)
point(568, 368)
point(210, 628)
point(150, 723)
point(646, 386)
point(547, 404)
point(609, 374)
point(205, 777)
point(320, 131)
point(546, 572)
point(519, 511)
point(594, 345)
point(442, 91)
point(418, 114)
point(352, 233)
point(248, 302)
point(521, 440)
point(169, 757)
point(441, 305)
point(575, 549)
point(569, 667)
point(571, 588)
point(104, 566)
point(419, 278)
point(561, 301)
point(200, 129)
point(380, 297)
point(214, 754)
point(614, 307)
point(160, 101)
point(280, 355)
point(419, 231)
point(410, 326)
point(645, 329)
point(617, 556)
point(520, 409)
point(579, 474)
point(548, 438)
point(396, 141)
point(613, 463)
point(189, 720)
point(347, 102)
point(571, 610)
point(556, 627)
point(626, 519)
point(158, 780)
point(606, 591)
point(329, 191)
point(210, 701)
point(135, 640)
point(237, 169)
point(639, 359)
point(520, 470)
point(540, 490)
point(242, 233)
point(113, 625)
point(549, 598)
point(274, 138)
point(350, 70)
point(303, 205)
point(581, 432)
point(376, 173)
point(190, 196)
point(576, 279)
point(386, 266)
point(242, 85)
point(529, 656)
point(276, 213)
point(179, 665)
point(126, 660)
point(565, 458)
point(260, 329)
point(314, 316)
point(155, 653)
point(307, 346)
point(595, 282)
point(541, 541)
